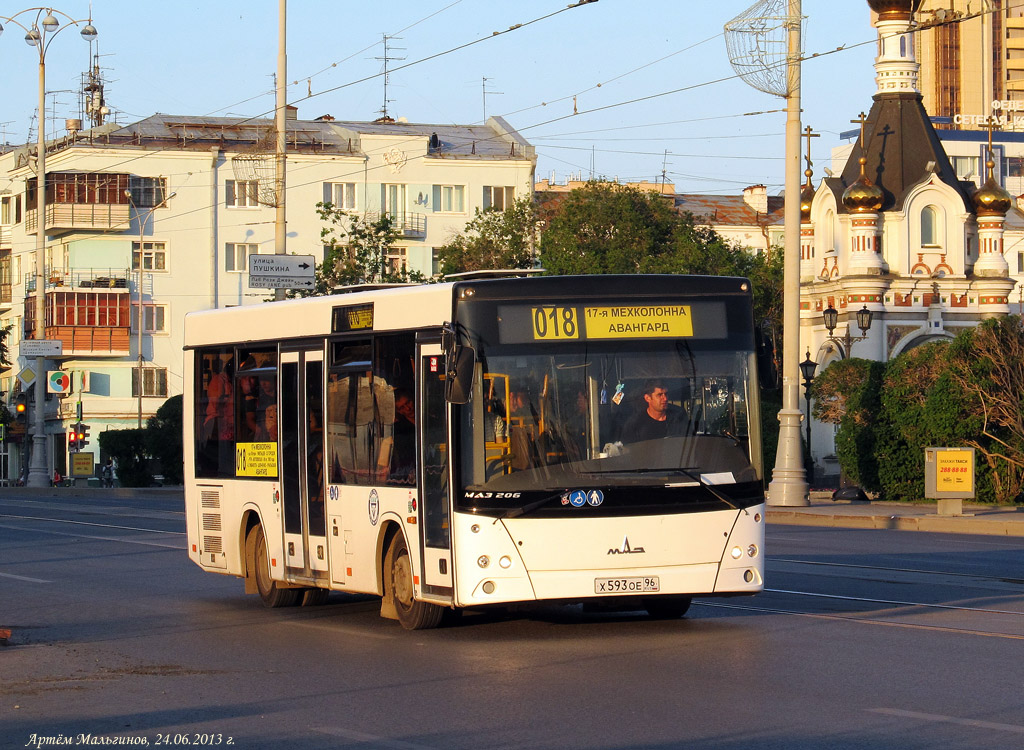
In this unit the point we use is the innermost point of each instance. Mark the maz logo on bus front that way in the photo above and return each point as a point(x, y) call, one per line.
point(625, 549)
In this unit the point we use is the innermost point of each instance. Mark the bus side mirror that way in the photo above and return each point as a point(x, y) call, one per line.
point(767, 370)
point(461, 364)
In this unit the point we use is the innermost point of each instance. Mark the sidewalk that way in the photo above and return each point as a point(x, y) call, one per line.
point(977, 519)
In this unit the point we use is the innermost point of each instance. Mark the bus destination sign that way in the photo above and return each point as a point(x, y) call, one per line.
point(553, 323)
point(352, 318)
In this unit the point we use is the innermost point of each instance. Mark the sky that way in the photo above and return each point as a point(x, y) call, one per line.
point(624, 89)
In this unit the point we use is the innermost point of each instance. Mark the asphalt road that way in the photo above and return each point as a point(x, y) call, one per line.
point(864, 639)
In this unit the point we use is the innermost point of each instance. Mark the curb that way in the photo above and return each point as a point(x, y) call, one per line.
point(946, 524)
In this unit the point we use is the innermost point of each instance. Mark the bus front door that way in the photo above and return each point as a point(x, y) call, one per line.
point(302, 462)
point(435, 497)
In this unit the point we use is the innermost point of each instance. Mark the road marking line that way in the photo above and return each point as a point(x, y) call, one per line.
point(949, 720)
point(87, 536)
point(377, 740)
point(863, 620)
point(88, 523)
point(897, 602)
point(340, 629)
point(23, 578)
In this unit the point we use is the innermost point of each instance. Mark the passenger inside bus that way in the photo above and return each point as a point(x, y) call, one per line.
point(403, 454)
point(523, 430)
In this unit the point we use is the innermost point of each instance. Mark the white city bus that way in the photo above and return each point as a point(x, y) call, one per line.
point(445, 446)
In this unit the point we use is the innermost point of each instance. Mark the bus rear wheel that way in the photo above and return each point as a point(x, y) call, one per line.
point(667, 607)
point(270, 592)
point(414, 615)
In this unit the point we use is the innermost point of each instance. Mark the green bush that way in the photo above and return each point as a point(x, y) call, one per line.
point(128, 449)
point(164, 440)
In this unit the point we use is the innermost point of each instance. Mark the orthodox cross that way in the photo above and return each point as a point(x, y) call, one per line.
point(808, 134)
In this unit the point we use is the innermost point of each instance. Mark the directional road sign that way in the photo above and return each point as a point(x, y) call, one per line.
point(298, 266)
point(42, 348)
point(281, 282)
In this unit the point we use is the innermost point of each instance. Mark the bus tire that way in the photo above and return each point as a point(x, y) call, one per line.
point(314, 597)
point(272, 594)
point(667, 607)
point(414, 615)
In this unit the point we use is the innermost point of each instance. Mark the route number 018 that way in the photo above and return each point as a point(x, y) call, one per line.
point(555, 323)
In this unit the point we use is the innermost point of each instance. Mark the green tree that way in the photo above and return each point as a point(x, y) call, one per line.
point(164, 439)
point(847, 393)
point(128, 449)
point(356, 250)
point(607, 228)
point(986, 371)
point(493, 239)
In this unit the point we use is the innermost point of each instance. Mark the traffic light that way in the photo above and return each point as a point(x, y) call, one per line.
point(20, 406)
point(72, 438)
point(83, 435)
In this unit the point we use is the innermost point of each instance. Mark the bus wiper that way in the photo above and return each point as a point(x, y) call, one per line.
point(522, 510)
point(686, 470)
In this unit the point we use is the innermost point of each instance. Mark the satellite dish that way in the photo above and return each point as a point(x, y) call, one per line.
point(940, 14)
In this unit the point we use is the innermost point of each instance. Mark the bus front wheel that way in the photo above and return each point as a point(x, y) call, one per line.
point(414, 615)
point(270, 592)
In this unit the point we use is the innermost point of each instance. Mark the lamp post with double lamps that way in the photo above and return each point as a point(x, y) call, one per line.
point(143, 218)
point(40, 28)
point(831, 317)
point(807, 368)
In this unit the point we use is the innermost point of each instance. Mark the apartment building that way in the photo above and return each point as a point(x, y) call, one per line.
point(147, 222)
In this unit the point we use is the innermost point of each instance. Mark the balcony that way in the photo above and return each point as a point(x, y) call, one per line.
point(67, 217)
point(89, 322)
point(407, 225)
point(77, 201)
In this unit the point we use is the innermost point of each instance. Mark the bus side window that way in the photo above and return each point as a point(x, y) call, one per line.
point(215, 412)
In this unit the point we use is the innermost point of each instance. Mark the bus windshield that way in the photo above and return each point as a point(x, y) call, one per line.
point(664, 413)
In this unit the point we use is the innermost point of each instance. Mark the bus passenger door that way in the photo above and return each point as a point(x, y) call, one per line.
point(435, 500)
point(302, 461)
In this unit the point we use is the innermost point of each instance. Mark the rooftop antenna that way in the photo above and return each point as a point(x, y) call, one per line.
point(486, 92)
point(664, 170)
point(386, 59)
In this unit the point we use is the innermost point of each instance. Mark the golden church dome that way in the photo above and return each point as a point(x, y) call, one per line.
point(895, 9)
point(863, 196)
point(806, 196)
point(991, 200)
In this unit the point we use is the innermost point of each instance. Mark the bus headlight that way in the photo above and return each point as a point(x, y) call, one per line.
point(737, 553)
point(483, 561)
point(752, 550)
point(505, 561)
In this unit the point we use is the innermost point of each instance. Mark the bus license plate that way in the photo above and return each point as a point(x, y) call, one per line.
point(626, 585)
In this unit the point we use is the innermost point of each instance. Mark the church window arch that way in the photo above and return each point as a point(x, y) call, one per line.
point(931, 227)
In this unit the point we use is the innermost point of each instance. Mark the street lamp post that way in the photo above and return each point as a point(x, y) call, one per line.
point(807, 368)
point(143, 218)
point(831, 317)
point(39, 33)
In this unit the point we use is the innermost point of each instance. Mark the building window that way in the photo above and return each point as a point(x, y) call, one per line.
point(929, 226)
point(435, 262)
point(397, 259)
point(236, 256)
point(451, 199)
point(499, 198)
point(1020, 262)
point(153, 256)
point(147, 192)
point(154, 318)
point(1014, 166)
point(10, 209)
point(341, 195)
point(394, 201)
point(966, 167)
point(154, 382)
point(242, 193)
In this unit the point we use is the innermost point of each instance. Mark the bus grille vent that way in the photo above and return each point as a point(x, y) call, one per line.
point(213, 544)
point(211, 522)
point(210, 499)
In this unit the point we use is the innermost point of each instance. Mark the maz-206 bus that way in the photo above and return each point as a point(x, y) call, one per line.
point(445, 446)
